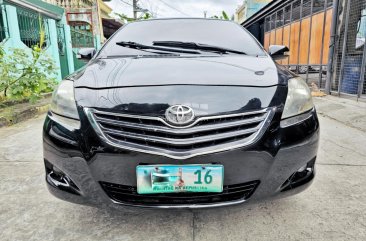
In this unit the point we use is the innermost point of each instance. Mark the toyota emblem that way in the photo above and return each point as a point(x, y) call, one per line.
point(179, 114)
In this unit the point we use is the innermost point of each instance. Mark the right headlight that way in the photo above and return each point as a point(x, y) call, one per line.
point(63, 101)
point(299, 98)
point(64, 105)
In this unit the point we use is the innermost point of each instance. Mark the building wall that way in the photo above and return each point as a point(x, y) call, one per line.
point(71, 4)
point(95, 8)
point(241, 13)
point(248, 8)
point(17, 30)
point(103, 12)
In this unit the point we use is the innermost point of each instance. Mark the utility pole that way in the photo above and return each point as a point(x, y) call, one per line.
point(135, 10)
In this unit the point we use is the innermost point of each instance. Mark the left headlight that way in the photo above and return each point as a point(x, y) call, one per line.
point(63, 100)
point(299, 98)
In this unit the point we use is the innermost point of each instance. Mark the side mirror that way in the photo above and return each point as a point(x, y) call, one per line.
point(278, 51)
point(86, 53)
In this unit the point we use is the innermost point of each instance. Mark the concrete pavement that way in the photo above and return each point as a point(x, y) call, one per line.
point(333, 208)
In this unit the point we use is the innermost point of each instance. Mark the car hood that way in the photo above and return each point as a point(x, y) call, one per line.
point(152, 71)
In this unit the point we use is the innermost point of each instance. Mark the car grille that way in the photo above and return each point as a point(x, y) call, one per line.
point(154, 135)
point(129, 195)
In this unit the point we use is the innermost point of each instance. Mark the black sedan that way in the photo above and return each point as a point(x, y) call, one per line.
point(180, 113)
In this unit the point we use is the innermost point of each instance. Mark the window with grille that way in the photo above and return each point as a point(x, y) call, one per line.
point(329, 3)
point(31, 24)
point(296, 10)
point(287, 14)
point(306, 8)
point(273, 21)
point(318, 5)
point(279, 22)
point(267, 24)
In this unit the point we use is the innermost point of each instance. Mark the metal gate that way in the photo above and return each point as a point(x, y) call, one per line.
point(61, 42)
point(3, 23)
point(31, 24)
point(349, 57)
point(80, 39)
point(303, 26)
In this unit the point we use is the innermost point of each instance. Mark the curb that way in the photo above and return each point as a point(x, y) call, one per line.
point(14, 115)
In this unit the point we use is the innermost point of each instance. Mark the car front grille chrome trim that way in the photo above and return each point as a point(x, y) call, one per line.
point(181, 131)
point(180, 142)
point(185, 206)
point(206, 135)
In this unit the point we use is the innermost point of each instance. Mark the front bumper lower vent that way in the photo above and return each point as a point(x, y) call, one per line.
point(128, 195)
point(205, 135)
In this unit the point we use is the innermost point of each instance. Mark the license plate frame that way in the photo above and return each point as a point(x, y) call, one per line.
point(157, 179)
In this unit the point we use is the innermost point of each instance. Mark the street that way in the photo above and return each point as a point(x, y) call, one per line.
point(333, 208)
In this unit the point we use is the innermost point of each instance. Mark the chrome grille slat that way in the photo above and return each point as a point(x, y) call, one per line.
point(153, 135)
point(183, 141)
point(159, 119)
point(191, 130)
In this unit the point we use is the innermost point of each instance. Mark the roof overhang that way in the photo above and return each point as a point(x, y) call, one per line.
point(46, 9)
point(111, 23)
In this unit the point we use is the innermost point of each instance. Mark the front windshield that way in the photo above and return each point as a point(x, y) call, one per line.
point(218, 33)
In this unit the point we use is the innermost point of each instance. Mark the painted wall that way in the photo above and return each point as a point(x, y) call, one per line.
point(13, 39)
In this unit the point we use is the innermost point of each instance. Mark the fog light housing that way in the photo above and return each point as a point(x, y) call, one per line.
point(303, 175)
point(56, 178)
point(303, 168)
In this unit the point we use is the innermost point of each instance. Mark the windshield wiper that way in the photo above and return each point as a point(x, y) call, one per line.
point(134, 45)
point(196, 46)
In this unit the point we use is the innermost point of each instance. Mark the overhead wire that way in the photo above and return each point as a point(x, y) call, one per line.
point(170, 6)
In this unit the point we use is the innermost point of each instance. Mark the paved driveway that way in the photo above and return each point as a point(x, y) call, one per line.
point(333, 208)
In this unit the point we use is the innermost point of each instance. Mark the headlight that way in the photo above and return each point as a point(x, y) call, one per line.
point(63, 101)
point(298, 98)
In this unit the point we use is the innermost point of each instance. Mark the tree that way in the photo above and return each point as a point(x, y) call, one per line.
point(127, 19)
point(25, 74)
point(223, 16)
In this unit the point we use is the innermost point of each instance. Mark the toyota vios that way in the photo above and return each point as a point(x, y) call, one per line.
point(180, 113)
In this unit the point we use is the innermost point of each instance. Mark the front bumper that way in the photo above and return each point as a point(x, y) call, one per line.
point(272, 161)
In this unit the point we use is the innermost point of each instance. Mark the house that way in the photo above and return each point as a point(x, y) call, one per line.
point(20, 26)
point(326, 40)
point(89, 21)
point(248, 8)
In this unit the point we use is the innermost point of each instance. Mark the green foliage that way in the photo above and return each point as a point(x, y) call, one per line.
point(24, 75)
point(223, 16)
point(127, 19)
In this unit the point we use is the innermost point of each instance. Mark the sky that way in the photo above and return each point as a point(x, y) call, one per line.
point(178, 8)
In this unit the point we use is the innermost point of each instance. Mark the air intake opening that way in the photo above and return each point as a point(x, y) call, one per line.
point(300, 177)
point(128, 195)
point(56, 178)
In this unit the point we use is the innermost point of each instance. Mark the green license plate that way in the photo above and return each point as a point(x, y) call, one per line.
point(179, 178)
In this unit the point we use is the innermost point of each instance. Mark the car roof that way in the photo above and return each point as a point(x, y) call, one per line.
point(180, 18)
